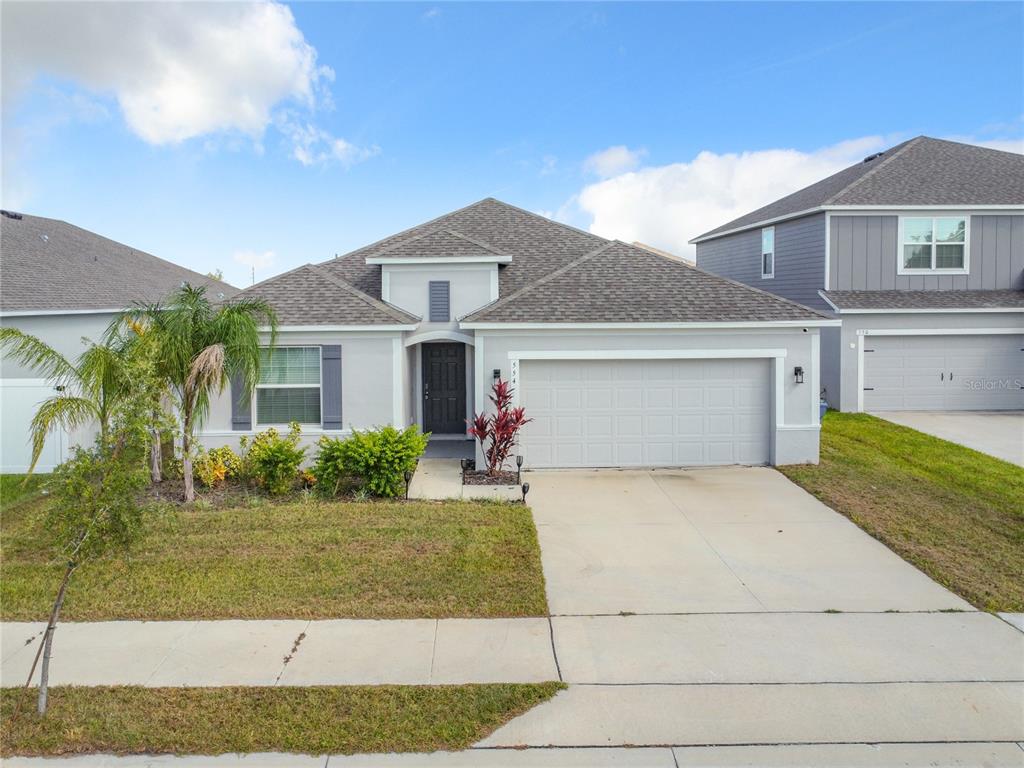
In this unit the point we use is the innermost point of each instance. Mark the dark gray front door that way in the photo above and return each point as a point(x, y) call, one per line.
point(444, 388)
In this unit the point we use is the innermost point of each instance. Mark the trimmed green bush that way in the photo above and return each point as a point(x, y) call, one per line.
point(273, 461)
point(377, 458)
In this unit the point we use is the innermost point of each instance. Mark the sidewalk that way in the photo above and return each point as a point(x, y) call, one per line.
point(1009, 755)
point(334, 652)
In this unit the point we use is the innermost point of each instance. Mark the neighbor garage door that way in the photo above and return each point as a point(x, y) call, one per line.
point(640, 413)
point(19, 400)
point(943, 373)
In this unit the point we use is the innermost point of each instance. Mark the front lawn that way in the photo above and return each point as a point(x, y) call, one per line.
point(315, 720)
point(298, 559)
point(956, 514)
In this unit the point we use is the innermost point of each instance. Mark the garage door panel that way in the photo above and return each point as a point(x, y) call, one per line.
point(914, 372)
point(646, 412)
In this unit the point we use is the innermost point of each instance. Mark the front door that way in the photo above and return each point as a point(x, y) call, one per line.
point(444, 388)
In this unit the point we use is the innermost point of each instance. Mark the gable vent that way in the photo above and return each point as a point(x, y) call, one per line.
point(440, 301)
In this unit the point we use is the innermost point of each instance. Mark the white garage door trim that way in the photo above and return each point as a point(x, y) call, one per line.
point(862, 332)
point(777, 355)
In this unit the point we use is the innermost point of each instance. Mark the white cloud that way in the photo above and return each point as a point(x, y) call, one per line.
point(666, 205)
point(613, 161)
point(177, 70)
point(314, 146)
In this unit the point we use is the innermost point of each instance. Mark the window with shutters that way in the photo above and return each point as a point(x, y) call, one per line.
point(440, 301)
point(289, 386)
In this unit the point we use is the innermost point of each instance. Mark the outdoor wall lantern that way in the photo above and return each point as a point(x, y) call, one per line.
point(519, 467)
point(798, 374)
point(497, 373)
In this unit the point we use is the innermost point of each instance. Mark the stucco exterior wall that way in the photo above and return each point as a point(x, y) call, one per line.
point(373, 370)
point(62, 332)
point(794, 436)
point(844, 344)
point(472, 286)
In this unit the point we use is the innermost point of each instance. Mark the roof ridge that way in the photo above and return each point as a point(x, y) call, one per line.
point(473, 240)
point(377, 242)
point(272, 278)
point(891, 154)
point(545, 279)
point(561, 224)
point(396, 313)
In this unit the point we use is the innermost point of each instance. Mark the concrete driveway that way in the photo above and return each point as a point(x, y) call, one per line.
point(997, 433)
point(729, 607)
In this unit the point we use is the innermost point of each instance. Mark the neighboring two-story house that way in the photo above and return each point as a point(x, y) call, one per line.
point(919, 251)
point(63, 284)
point(621, 356)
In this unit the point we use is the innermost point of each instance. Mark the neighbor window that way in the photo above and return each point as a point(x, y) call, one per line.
point(289, 386)
point(933, 244)
point(768, 252)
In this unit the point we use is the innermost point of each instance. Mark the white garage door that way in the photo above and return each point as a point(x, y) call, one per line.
point(943, 373)
point(645, 413)
point(18, 401)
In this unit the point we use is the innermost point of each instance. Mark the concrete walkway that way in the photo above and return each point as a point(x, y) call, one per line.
point(437, 479)
point(997, 433)
point(339, 652)
point(991, 755)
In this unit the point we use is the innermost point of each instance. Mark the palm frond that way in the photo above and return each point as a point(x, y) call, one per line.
point(38, 355)
point(67, 411)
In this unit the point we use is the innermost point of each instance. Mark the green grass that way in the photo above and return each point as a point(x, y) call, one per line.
point(14, 488)
point(315, 720)
point(955, 513)
point(300, 559)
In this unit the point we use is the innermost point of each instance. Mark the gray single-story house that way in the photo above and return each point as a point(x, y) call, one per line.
point(622, 357)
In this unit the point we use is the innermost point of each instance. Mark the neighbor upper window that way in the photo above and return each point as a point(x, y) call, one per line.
point(768, 252)
point(289, 386)
point(933, 244)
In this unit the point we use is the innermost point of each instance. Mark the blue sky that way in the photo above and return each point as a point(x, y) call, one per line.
point(230, 136)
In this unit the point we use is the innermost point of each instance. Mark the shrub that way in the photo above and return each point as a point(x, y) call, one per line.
point(217, 465)
point(501, 428)
point(379, 458)
point(272, 461)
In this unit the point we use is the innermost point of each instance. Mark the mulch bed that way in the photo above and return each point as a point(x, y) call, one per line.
point(477, 477)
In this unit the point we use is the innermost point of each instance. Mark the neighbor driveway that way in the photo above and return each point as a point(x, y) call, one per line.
point(997, 433)
point(728, 606)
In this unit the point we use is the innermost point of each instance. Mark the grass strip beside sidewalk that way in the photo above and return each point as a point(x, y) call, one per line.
point(313, 720)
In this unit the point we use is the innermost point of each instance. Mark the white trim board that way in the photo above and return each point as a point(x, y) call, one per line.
point(397, 390)
point(996, 210)
point(418, 338)
point(935, 311)
point(48, 312)
point(812, 323)
point(383, 260)
point(644, 354)
point(339, 328)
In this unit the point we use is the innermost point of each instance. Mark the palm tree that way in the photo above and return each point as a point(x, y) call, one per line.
point(199, 348)
point(89, 390)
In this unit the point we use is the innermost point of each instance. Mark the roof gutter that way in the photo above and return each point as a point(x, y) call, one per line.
point(733, 325)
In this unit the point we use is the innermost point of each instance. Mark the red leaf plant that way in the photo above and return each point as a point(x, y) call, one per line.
point(500, 428)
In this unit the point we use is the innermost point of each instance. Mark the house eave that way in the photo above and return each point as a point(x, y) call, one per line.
point(395, 328)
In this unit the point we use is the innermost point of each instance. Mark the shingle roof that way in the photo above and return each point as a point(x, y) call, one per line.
point(938, 300)
point(439, 242)
point(620, 283)
point(537, 245)
point(309, 295)
point(48, 264)
point(922, 171)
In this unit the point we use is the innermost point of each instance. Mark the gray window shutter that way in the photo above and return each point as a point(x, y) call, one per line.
point(440, 301)
point(241, 405)
point(330, 386)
